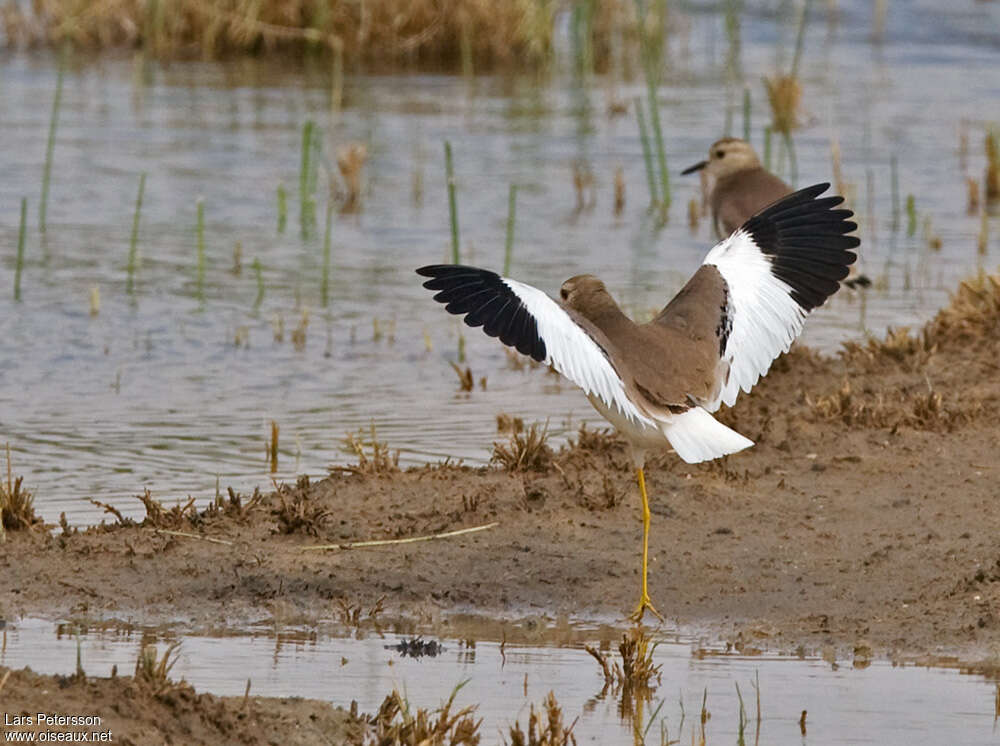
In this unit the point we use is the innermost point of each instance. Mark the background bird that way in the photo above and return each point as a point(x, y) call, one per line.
point(659, 382)
point(738, 186)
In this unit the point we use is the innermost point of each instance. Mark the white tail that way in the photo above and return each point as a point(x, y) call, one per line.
point(698, 436)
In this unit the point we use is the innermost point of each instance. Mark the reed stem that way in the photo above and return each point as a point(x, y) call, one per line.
point(911, 216)
point(767, 147)
point(50, 145)
point(647, 151)
point(282, 208)
point(337, 82)
point(895, 193)
point(200, 230)
point(327, 233)
point(452, 201)
point(652, 83)
point(259, 274)
point(307, 211)
point(661, 153)
point(511, 216)
point(793, 162)
point(746, 114)
point(133, 244)
point(20, 248)
point(800, 38)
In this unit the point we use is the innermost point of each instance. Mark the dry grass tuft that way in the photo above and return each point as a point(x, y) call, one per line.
point(350, 614)
point(154, 672)
point(524, 451)
point(553, 732)
point(233, 507)
point(992, 178)
point(17, 506)
point(395, 725)
point(351, 161)
point(972, 316)
point(899, 346)
point(637, 672)
point(507, 423)
point(296, 512)
point(383, 32)
point(158, 516)
point(974, 312)
point(596, 441)
point(379, 462)
point(921, 410)
point(466, 381)
point(784, 93)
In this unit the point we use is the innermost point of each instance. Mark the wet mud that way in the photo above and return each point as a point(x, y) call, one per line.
point(864, 519)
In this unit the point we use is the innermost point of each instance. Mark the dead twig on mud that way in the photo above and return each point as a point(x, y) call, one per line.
point(409, 540)
point(187, 535)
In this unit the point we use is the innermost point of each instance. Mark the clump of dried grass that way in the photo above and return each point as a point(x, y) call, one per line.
point(551, 732)
point(351, 161)
point(350, 613)
point(992, 178)
point(920, 410)
point(396, 725)
point(377, 460)
point(898, 346)
point(17, 506)
point(596, 441)
point(153, 671)
point(974, 312)
point(507, 423)
point(973, 315)
point(159, 516)
point(636, 671)
point(296, 512)
point(383, 32)
point(784, 94)
point(524, 450)
point(234, 506)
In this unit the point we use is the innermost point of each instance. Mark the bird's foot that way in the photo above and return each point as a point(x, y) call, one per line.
point(640, 609)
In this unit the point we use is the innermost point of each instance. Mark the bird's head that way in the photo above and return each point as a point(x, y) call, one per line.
point(727, 156)
point(585, 294)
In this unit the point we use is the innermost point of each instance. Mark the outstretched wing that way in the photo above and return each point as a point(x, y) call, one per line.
point(778, 266)
point(527, 319)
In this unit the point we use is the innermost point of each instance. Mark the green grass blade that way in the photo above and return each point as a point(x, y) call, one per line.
point(133, 243)
point(50, 144)
point(452, 201)
point(20, 248)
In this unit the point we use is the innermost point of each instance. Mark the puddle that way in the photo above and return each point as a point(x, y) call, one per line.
point(877, 704)
point(155, 392)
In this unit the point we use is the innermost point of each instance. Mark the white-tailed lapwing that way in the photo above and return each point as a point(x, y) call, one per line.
point(659, 382)
point(738, 185)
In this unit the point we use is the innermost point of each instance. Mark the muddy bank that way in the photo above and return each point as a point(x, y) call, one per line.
point(127, 710)
point(865, 515)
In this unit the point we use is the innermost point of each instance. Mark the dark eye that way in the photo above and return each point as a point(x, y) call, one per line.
point(564, 293)
point(719, 153)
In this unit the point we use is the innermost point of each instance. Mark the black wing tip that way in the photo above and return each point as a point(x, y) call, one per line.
point(805, 239)
point(438, 270)
point(483, 299)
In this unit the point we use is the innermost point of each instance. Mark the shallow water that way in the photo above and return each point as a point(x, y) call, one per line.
point(878, 704)
point(154, 392)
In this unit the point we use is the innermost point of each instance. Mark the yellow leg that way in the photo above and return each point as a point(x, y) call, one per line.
point(644, 602)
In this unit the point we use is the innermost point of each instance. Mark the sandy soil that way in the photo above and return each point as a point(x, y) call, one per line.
point(865, 517)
